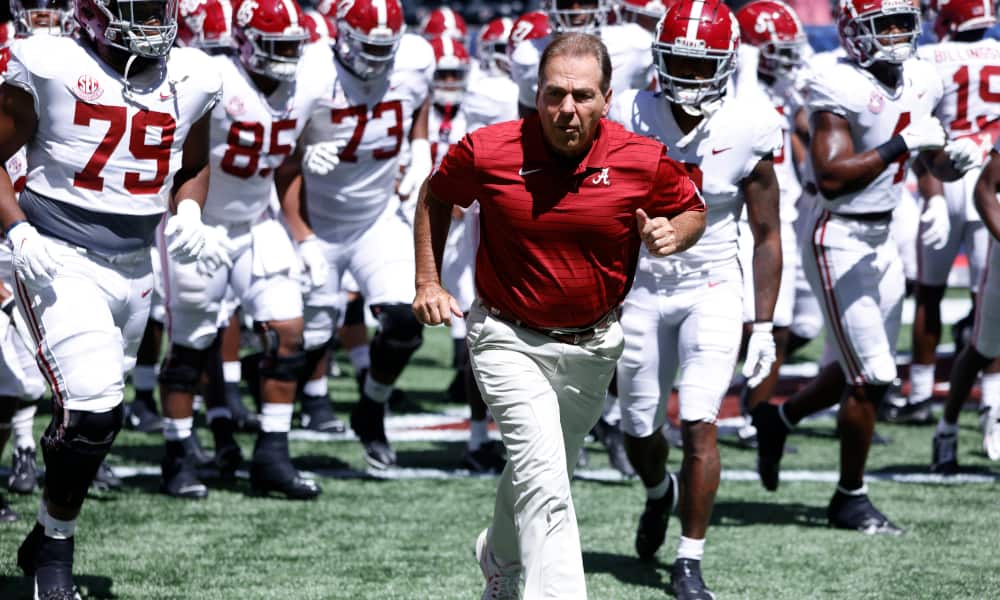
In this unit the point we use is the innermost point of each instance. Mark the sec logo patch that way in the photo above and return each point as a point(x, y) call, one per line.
point(876, 103)
point(88, 88)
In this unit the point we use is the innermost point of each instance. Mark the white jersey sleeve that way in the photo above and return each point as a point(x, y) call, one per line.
point(524, 68)
point(490, 99)
point(97, 145)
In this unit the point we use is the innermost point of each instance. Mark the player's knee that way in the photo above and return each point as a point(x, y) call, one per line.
point(354, 312)
point(284, 358)
point(182, 370)
point(318, 327)
point(73, 446)
point(398, 327)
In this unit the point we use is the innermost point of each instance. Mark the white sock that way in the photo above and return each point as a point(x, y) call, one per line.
point(144, 377)
point(316, 387)
point(175, 430)
point(276, 418)
point(861, 491)
point(478, 433)
point(23, 420)
point(232, 371)
point(921, 382)
point(218, 412)
point(197, 402)
point(55, 528)
point(946, 428)
point(691, 548)
point(659, 490)
point(379, 392)
point(990, 386)
point(360, 358)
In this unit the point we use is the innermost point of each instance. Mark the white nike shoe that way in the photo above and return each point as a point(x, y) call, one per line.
point(990, 422)
point(500, 584)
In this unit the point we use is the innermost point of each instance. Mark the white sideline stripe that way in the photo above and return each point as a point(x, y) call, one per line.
point(608, 475)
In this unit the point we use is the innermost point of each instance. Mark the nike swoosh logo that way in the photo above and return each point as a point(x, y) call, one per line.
point(165, 97)
point(522, 172)
point(712, 284)
point(720, 150)
point(147, 292)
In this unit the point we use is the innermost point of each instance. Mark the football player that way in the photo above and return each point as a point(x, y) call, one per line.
point(115, 123)
point(379, 99)
point(269, 89)
point(869, 112)
point(684, 312)
point(644, 13)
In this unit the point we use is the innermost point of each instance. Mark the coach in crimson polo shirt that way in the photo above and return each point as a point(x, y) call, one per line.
point(566, 198)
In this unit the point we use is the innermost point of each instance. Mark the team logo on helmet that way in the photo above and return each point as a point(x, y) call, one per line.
point(344, 7)
point(88, 88)
point(245, 14)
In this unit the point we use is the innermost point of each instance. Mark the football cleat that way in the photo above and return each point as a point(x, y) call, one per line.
point(228, 458)
point(180, 477)
point(270, 474)
point(686, 581)
point(50, 562)
point(990, 423)
point(317, 415)
point(915, 413)
point(501, 584)
point(944, 453)
point(7, 514)
point(105, 479)
point(142, 415)
point(490, 457)
point(614, 442)
point(858, 513)
point(368, 423)
point(771, 435)
point(653, 521)
point(23, 472)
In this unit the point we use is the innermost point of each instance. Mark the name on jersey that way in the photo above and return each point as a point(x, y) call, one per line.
point(986, 53)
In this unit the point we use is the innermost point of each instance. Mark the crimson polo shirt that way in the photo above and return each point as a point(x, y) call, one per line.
point(559, 246)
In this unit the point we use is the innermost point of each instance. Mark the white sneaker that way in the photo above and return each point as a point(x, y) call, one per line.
point(991, 432)
point(500, 585)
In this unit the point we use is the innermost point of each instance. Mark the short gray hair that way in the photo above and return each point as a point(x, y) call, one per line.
point(579, 44)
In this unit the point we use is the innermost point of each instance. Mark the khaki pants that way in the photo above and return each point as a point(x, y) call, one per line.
point(545, 396)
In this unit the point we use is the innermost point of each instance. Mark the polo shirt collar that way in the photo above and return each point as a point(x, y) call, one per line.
point(537, 153)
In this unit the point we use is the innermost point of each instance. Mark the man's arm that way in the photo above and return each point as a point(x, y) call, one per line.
point(760, 189)
point(288, 182)
point(838, 169)
point(17, 124)
point(433, 305)
point(663, 236)
point(986, 190)
point(191, 182)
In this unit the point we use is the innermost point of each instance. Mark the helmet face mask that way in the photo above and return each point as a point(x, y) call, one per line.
point(492, 45)
point(451, 71)
point(869, 36)
point(368, 35)
point(270, 35)
point(692, 79)
point(52, 17)
point(781, 59)
point(145, 28)
point(585, 16)
point(275, 55)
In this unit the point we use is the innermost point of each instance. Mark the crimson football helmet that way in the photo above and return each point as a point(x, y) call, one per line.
point(321, 28)
point(491, 46)
point(444, 22)
point(368, 34)
point(54, 17)
point(205, 24)
point(576, 15)
point(864, 28)
point(451, 70)
point(270, 35)
point(699, 32)
point(646, 13)
point(145, 28)
point(529, 26)
point(954, 16)
point(774, 28)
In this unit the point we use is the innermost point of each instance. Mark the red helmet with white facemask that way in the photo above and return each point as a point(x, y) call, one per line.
point(586, 16)
point(205, 24)
point(54, 17)
point(368, 34)
point(451, 70)
point(270, 35)
point(773, 27)
point(491, 47)
point(955, 16)
point(444, 22)
point(865, 28)
point(123, 25)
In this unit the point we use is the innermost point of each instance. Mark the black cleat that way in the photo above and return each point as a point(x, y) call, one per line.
point(917, 413)
point(50, 562)
point(228, 455)
point(23, 472)
point(7, 514)
point(490, 457)
point(180, 476)
point(317, 415)
point(105, 479)
point(244, 418)
point(944, 453)
point(686, 581)
point(271, 470)
point(858, 513)
point(771, 435)
point(368, 423)
point(614, 442)
point(653, 521)
point(141, 413)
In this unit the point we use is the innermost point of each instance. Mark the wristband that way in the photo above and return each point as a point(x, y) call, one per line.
point(762, 327)
point(890, 151)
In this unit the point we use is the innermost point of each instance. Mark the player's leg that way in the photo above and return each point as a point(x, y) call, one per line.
point(141, 414)
point(324, 310)
point(21, 381)
point(8, 406)
point(317, 406)
point(232, 375)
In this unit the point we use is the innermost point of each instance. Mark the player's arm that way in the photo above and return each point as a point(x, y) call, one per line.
point(17, 124)
point(432, 305)
point(838, 169)
point(191, 182)
point(985, 195)
point(800, 138)
point(942, 163)
point(421, 163)
point(761, 191)
point(288, 182)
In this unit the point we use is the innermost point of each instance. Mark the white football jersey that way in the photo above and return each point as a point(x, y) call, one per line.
point(724, 148)
point(252, 134)
point(372, 120)
point(874, 114)
point(629, 46)
point(99, 146)
point(445, 129)
point(787, 104)
point(970, 76)
point(490, 99)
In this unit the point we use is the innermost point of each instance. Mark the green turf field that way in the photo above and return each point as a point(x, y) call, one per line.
point(383, 540)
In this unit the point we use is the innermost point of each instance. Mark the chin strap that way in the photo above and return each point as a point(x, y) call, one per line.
point(127, 89)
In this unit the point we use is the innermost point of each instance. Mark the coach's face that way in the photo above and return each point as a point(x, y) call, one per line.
point(570, 103)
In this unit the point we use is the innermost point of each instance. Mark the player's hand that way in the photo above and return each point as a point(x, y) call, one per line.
point(217, 252)
point(924, 134)
point(185, 233)
point(965, 154)
point(935, 223)
point(33, 257)
point(322, 158)
point(760, 354)
point(657, 234)
point(314, 261)
point(434, 305)
point(420, 167)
